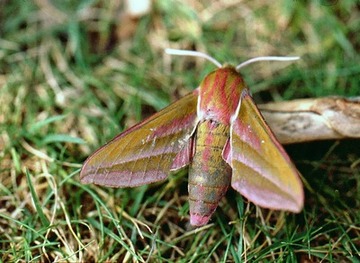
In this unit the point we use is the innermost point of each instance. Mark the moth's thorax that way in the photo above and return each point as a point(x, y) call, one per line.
point(220, 94)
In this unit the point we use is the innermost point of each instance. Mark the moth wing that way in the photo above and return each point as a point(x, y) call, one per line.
point(262, 170)
point(148, 151)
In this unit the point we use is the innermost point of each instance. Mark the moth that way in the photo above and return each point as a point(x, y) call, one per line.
point(219, 133)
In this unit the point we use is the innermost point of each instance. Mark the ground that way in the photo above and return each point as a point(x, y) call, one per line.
point(75, 74)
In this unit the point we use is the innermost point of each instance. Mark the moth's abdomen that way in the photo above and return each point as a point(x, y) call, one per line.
point(209, 174)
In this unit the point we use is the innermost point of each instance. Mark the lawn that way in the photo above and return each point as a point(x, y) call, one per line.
point(74, 74)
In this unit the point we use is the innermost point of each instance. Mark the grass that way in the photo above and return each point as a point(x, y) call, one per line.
point(75, 74)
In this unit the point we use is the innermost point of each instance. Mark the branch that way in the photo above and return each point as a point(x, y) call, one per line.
point(313, 119)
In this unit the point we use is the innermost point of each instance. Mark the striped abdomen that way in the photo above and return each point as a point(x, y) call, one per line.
point(209, 174)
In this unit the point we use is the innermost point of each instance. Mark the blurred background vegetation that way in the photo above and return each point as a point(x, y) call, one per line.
point(73, 74)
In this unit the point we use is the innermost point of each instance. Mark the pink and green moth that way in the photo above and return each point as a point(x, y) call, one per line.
point(219, 133)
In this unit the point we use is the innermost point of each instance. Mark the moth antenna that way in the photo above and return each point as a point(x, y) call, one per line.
point(179, 52)
point(252, 60)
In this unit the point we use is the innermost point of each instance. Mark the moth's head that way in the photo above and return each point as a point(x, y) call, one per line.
point(228, 65)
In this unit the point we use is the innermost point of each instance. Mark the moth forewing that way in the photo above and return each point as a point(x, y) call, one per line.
point(262, 170)
point(145, 152)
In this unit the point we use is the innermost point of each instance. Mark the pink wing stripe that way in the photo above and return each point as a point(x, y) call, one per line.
point(132, 179)
point(256, 160)
point(264, 193)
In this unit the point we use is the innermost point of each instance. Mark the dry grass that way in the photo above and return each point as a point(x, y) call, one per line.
point(73, 75)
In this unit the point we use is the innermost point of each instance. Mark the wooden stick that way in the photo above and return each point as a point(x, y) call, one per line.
point(313, 119)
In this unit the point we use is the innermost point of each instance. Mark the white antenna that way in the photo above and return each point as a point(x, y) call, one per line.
point(252, 60)
point(179, 52)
